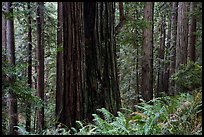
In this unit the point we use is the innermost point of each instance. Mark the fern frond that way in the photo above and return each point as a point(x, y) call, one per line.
point(80, 124)
point(107, 115)
point(102, 124)
point(22, 130)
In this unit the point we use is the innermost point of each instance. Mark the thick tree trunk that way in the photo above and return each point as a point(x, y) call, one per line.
point(12, 100)
point(73, 35)
point(91, 60)
point(192, 35)
point(90, 71)
point(40, 58)
point(28, 108)
point(107, 88)
point(173, 46)
point(59, 74)
point(147, 62)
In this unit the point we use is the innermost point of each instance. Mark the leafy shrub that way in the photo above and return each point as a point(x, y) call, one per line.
point(189, 76)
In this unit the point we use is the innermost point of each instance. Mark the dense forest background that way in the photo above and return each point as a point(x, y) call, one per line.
point(87, 68)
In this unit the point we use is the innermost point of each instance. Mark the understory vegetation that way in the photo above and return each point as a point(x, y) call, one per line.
point(180, 114)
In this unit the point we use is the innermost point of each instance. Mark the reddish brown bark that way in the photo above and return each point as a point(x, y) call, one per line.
point(147, 48)
point(59, 74)
point(73, 54)
point(182, 38)
point(182, 35)
point(12, 100)
point(122, 19)
point(90, 70)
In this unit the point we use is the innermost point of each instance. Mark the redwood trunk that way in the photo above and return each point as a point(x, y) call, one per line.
point(102, 77)
point(90, 71)
point(59, 81)
point(12, 100)
point(182, 35)
point(173, 46)
point(160, 83)
point(40, 65)
point(73, 62)
point(192, 35)
point(182, 38)
point(147, 62)
point(28, 109)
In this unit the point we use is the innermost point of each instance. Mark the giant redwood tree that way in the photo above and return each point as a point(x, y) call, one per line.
point(89, 54)
point(147, 48)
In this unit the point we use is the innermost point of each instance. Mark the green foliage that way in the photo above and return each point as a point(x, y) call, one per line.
point(181, 114)
point(189, 76)
point(19, 85)
point(89, 129)
point(21, 130)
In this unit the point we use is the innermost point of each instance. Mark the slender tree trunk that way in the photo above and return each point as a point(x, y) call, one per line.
point(136, 101)
point(12, 100)
point(59, 81)
point(137, 92)
point(167, 59)
point(182, 35)
point(28, 109)
point(192, 35)
point(161, 52)
point(173, 46)
point(3, 34)
point(122, 19)
point(4, 78)
point(147, 63)
point(182, 38)
point(40, 58)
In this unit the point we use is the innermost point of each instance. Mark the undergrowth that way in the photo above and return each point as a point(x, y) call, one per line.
point(177, 115)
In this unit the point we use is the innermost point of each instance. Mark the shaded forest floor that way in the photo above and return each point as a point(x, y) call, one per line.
point(180, 114)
